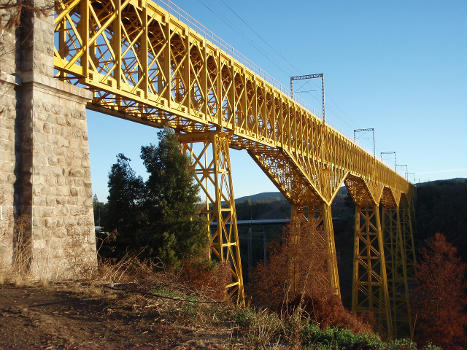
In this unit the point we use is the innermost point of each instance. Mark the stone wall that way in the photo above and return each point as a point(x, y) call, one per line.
point(46, 179)
point(7, 136)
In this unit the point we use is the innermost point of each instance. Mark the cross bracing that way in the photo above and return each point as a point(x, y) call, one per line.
point(144, 64)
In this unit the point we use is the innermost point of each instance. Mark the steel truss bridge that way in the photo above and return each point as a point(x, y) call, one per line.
point(144, 64)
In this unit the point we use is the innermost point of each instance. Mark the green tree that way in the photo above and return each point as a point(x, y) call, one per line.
point(124, 204)
point(173, 230)
point(100, 211)
point(157, 219)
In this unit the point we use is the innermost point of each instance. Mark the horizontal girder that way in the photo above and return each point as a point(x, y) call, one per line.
point(144, 64)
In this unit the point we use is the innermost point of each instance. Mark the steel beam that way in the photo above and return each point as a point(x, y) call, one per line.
point(211, 162)
point(370, 294)
point(396, 267)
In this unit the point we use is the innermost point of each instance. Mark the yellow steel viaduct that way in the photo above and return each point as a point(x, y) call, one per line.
point(155, 65)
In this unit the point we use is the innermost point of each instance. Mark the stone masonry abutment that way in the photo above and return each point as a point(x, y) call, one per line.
point(46, 218)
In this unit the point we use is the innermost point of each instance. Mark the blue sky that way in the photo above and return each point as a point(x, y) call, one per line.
point(397, 66)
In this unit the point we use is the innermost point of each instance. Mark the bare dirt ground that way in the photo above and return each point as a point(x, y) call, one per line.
point(62, 316)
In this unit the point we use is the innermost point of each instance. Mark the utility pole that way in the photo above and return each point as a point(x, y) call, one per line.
point(364, 130)
point(413, 174)
point(311, 76)
point(406, 170)
point(395, 159)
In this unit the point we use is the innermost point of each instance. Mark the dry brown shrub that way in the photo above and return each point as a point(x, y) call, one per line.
point(22, 246)
point(17, 229)
point(296, 277)
point(207, 277)
point(128, 269)
point(439, 297)
point(297, 266)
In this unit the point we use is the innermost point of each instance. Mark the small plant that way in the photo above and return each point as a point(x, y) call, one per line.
point(403, 344)
point(264, 328)
point(430, 346)
point(190, 311)
point(244, 316)
point(339, 339)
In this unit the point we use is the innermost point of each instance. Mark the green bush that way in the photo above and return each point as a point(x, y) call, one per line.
point(313, 337)
point(244, 316)
point(339, 339)
point(403, 344)
point(430, 346)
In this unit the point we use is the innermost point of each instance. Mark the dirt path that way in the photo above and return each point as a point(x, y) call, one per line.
point(58, 318)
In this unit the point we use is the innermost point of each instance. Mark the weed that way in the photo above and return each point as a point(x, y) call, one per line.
point(244, 316)
point(430, 346)
point(263, 328)
point(16, 271)
point(190, 311)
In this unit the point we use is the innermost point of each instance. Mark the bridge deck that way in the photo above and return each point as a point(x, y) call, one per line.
point(144, 64)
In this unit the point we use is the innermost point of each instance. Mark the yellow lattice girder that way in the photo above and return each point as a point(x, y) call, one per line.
point(144, 64)
point(406, 225)
point(209, 155)
point(396, 268)
point(370, 284)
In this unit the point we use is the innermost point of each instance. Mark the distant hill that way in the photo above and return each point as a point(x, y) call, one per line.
point(273, 205)
point(440, 206)
point(263, 196)
point(265, 205)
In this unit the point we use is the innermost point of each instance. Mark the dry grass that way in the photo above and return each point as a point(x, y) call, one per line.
point(194, 298)
point(266, 331)
point(208, 278)
point(17, 270)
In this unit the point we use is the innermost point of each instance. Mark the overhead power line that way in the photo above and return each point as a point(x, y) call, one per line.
point(307, 77)
point(259, 36)
point(395, 157)
point(235, 29)
point(372, 130)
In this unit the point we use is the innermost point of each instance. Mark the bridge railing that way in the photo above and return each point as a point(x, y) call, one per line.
point(185, 17)
point(144, 64)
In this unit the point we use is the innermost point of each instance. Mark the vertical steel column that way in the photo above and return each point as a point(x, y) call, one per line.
point(298, 216)
point(84, 31)
point(391, 248)
point(403, 304)
point(116, 44)
point(209, 154)
point(370, 284)
point(332, 255)
point(405, 218)
point(407, 238)
point(397, 272)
